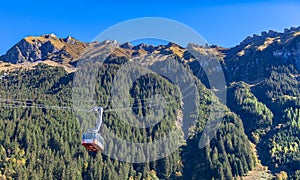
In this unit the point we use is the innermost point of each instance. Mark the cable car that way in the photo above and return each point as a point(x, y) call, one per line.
point(92, 139)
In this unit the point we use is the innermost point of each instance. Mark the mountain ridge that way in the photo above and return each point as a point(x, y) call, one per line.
point(67, 50)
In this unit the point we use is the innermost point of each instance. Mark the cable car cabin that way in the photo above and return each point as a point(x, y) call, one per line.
point(92, 141)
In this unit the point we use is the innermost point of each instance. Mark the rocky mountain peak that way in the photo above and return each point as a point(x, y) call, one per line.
point(127, 45)
point(45, 47)
point(258, 40)
point(142, 46)
point(70, 40)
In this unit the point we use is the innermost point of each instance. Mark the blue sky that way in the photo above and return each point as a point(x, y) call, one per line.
point(225, 23)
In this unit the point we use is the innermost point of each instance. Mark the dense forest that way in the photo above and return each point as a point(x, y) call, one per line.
point(40, 142)
point(270, 113)
point(280, 92)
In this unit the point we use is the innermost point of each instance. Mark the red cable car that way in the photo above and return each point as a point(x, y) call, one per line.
point(91, 139)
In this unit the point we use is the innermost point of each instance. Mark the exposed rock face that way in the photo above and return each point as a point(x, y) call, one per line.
point(297, 56)
point(46, 47)
point(288, 48)
point(250, 60)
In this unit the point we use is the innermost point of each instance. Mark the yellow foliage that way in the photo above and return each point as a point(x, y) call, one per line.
point(13, 160)
point(178, 174)
point(282, 176)
point(17, 150)
point(22, 153)
point(85, 164)
point(152, 175)
point(21, 162)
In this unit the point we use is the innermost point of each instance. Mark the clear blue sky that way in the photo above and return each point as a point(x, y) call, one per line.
point(221, 22)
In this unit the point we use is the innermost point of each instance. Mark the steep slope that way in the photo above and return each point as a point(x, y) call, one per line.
point(257, 118)
point(268, 66)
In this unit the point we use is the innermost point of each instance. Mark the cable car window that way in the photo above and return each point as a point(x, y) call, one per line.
point(88, 136)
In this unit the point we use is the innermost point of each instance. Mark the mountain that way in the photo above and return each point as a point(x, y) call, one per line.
point(262, 75)
point(251, 59)
point(46, 47)
point(258, 137)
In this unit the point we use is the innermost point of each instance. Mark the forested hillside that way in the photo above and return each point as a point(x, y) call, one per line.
point(264, 92)
point(39, 142)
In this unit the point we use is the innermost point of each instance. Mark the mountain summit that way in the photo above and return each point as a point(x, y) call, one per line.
point(45, 47)
point(250, 60)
